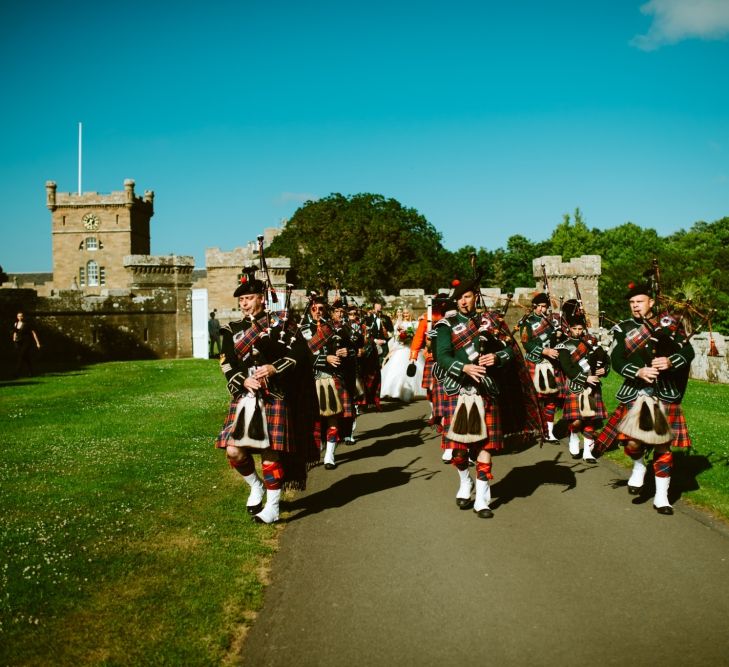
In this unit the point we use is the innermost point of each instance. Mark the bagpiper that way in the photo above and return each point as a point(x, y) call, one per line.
point(481, 386)
point(652, 352)
point(260, 369)
point(331, 348)
point(540, 335)
point(585, 363)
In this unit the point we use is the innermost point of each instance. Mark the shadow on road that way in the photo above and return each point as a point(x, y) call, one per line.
point(686, 469)
point(523, 481)
point(344, 491)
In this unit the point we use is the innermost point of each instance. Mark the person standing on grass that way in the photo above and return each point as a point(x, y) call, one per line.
point(653, 354)
point(24, 339)
point(261, 373)
point(214, 336)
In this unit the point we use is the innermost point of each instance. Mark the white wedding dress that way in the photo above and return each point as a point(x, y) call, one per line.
point(395, 381)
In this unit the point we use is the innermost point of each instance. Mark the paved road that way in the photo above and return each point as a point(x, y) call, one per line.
point(377, 565)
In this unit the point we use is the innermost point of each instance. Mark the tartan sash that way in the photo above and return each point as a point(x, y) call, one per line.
point(322, 333)
point(243, 340)
point(463, 333)
point(638, 338)
point(541, 326)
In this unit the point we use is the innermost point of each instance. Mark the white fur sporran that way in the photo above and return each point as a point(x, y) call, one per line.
point(646, 422)
point(587, 403)
point(469, 420)
point(250, 423)
point(328, 396)
point(545, 381)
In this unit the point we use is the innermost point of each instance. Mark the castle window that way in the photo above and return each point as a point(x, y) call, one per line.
point(102, 275)
point(82, 277)
point(91, 243)
point(92, 273)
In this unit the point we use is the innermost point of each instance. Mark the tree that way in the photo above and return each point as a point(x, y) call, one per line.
point(365, 243)
point(573, 239)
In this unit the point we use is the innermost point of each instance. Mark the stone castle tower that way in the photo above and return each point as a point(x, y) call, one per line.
point(92, 233)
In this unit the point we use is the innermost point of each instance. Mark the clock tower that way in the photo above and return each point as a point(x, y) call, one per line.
point(92, 233)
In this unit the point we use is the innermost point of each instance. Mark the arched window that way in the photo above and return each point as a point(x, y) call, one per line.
point(92, 243)
point(92, 273)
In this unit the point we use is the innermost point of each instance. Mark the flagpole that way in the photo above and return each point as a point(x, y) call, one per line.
point(80, 130)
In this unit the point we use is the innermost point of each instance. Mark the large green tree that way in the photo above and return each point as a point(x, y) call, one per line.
point(363, 242)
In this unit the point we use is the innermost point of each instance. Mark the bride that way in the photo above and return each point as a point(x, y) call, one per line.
point(395, 381)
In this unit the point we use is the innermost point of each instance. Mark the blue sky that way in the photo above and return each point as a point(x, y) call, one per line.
point(489, 118)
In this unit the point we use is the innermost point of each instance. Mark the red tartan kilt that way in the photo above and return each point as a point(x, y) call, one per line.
point(344, 397)
point(495, 434)
point(436, 399)
point(558, 375)
point(277, 421)
point(372, 381)
point(571, 407)
point(427, 373)
point(610, 434)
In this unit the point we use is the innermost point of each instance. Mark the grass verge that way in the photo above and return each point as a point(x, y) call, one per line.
point(123, 538)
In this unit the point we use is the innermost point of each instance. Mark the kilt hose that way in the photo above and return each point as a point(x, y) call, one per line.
point(494, 434)
point(571, 407)
point(561, 381)
point(610, 435)
point(277, 421)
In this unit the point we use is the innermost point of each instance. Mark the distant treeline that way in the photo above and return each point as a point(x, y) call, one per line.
point(368, 244)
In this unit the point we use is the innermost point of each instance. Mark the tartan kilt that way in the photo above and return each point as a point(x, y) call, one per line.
point(436, 398)
point(610, 435)
point(277, 421)
point(495, 435)
point(427, 373)
point(372, 380)
point(558, 376)
point(344, 397)
point(571, 407)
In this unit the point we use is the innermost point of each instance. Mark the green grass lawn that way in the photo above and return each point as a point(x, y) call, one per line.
point(124, 538)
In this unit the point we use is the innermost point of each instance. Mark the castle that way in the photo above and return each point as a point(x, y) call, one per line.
point(109, 298)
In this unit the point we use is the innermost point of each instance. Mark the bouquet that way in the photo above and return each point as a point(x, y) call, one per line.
point(405, 335)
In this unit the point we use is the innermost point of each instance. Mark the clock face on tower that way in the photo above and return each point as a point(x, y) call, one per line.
point(91, 221)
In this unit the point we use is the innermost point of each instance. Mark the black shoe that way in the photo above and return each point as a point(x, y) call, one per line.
point(330, 466)
point(667, 510)
point(485, 513)
point(464, 503)
point(634, 490)
point(254, 509)
point(576, 456)
point(590, 460)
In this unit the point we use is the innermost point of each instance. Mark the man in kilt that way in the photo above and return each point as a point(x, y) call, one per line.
point(331, 348)
point(357, 339)
point(378, 330)
point(256, 364)
point(540, 336)
point(654, 355)
point(584, 363)
point(470, 389)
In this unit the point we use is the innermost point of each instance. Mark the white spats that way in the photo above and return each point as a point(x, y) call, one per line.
point(661, 498)
point(329, 453)
point(255, 497)
point(574, 443)
point(447, 455)
point(483, 495)
point(550, 432)
point(587, 444)
point(466, 487)
point(638, 474)
point(269, 514)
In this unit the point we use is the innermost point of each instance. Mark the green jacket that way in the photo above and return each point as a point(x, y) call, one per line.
point(452, 361)
point(668, 386)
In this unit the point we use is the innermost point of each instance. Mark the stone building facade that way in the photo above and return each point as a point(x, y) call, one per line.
point(92, 233)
